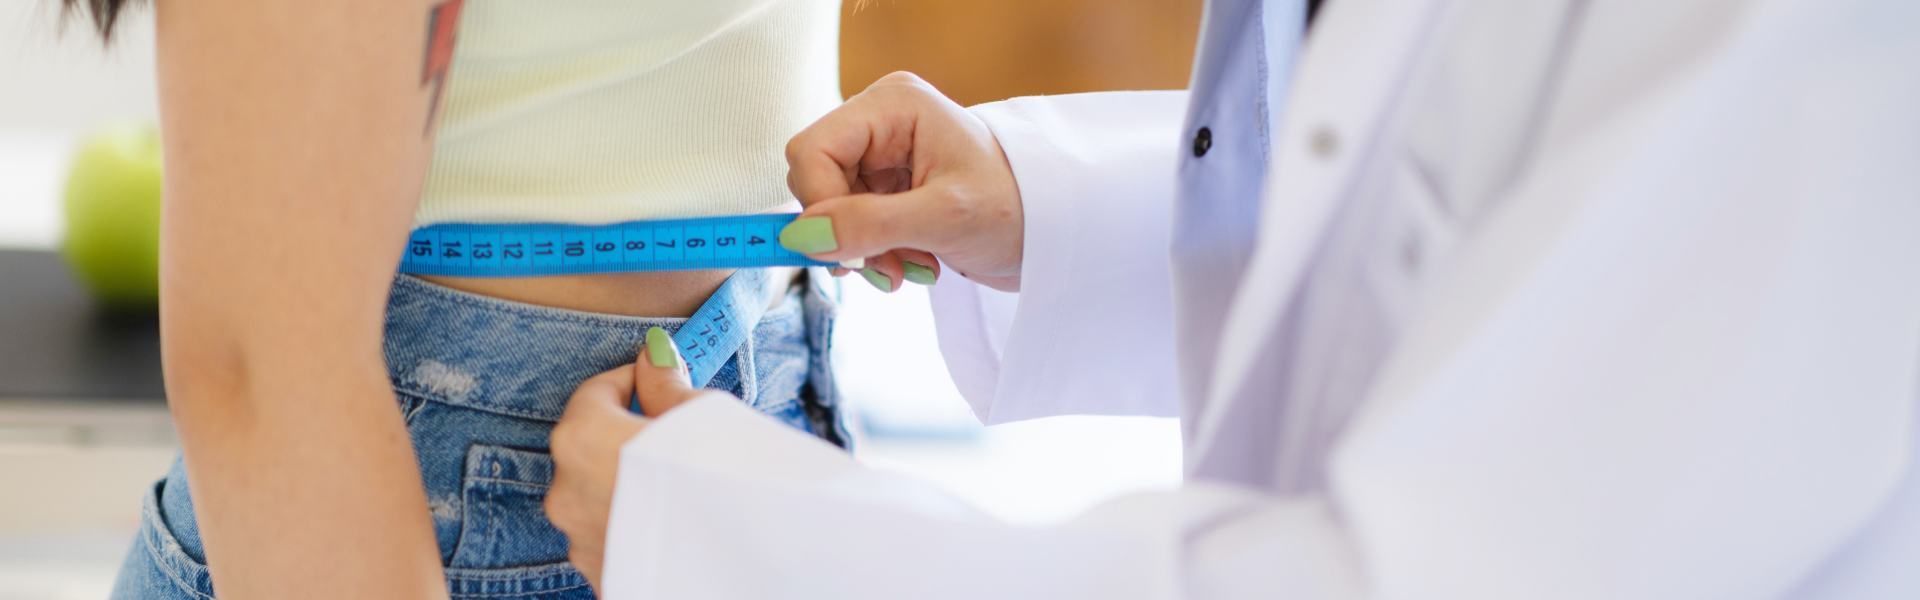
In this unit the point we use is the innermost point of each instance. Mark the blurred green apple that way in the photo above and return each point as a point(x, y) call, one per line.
point(112, 240)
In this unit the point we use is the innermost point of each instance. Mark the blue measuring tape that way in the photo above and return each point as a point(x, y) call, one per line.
point(721, 326)
point(711, 336)
point(524, 250)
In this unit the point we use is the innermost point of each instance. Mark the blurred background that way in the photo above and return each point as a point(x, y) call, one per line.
point(984, 50)
point(83, 421)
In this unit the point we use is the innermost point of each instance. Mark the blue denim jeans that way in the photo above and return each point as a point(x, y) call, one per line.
point(480, 382)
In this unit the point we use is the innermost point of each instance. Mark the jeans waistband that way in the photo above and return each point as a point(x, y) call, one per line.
point(498, 355)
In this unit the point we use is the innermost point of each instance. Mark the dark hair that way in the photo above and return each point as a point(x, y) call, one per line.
point(103, 13)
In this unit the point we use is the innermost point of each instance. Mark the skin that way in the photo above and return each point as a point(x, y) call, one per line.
point(293, 133)
point(904, 172)
point(588, 441)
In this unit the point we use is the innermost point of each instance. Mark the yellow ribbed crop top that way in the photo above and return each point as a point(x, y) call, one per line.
point(601, 111)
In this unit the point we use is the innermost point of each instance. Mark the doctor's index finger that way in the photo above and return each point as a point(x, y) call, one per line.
point(815, 167)
point(610, 388)
point(826, 159)
point(598, 403)
point(871, 133)
point(600, 397)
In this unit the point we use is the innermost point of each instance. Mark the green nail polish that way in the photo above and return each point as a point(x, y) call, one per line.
point(878, 279)
point(660, 348)
point(811, 235)
point(919, 274)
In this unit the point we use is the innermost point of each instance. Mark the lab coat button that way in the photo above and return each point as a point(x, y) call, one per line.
point(1324, 143)
point(1202, 141)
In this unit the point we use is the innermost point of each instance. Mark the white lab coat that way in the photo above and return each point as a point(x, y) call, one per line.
point(1659, 336)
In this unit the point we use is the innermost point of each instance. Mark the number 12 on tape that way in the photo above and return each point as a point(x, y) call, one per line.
point(521, 250)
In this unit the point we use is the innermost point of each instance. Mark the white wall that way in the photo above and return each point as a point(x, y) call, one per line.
point(55, 83)
point(65, 81)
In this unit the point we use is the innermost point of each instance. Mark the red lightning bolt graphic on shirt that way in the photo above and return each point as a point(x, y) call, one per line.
point(442, 21)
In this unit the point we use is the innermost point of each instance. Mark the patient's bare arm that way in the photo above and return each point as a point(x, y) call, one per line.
point(294, 161)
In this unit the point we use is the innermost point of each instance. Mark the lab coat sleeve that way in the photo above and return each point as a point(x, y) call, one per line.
point(716, 501)
point(1096, 178)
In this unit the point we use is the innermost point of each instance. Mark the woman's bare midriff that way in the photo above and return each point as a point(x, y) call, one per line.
point(648, 294)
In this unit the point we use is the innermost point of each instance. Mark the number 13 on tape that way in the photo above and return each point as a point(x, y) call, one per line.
point(522, 250)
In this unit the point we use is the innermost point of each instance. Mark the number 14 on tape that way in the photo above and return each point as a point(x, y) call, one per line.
point(520, 250)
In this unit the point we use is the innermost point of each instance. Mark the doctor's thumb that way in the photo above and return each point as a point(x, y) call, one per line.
point(865, 225)
point(660, 378)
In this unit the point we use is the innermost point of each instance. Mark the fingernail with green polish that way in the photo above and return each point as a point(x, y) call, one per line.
point(811, 235)
point(660, 348)
point(919, 274)
point(878, 279)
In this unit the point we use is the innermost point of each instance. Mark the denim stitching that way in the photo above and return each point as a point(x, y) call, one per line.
point(533, 311)
point(513, 482)
point(416, 403)
point(156, 541)
point(518, 594)
point(173, 575)
point(562, 569)
point(562, 575)
point(410, 388)
point(778, 407)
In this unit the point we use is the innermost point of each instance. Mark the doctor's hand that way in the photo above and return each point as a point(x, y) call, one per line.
point(899, 174)
point(586, 444)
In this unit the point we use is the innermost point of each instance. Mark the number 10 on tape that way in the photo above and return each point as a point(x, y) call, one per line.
point(521, 250)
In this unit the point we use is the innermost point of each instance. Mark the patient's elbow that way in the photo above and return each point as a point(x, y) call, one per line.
point(206, 372)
